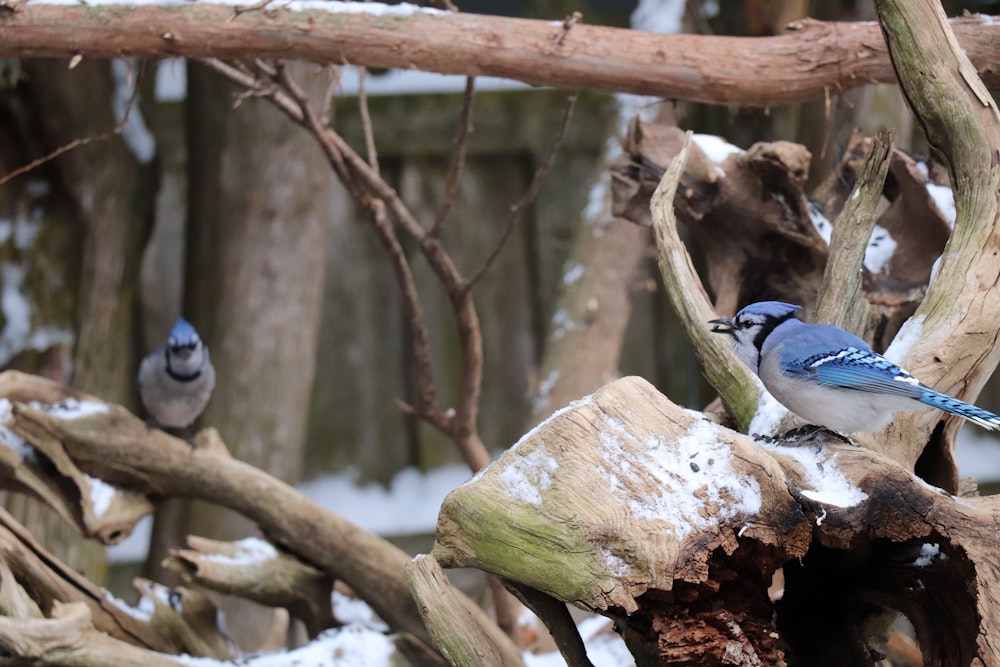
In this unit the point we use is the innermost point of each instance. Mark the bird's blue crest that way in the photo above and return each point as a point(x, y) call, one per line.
point(182, 333)
point(768, 309)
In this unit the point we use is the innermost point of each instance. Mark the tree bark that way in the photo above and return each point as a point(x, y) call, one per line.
point(813, 60)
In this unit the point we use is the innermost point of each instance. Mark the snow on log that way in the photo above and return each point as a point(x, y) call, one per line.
point(631, 506)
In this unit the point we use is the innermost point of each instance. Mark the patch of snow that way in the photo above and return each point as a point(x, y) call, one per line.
point(17, 334)
point(630, 106)
point(944, 200)
point(829, 485)
point(71, 408)
point(688, 473)
point(881, 247)
point(573, 274)
point(414, 82)
point(409, 506)
point(526, 477)
point(544, 390)
point(598, 207)
point(26, 229)
point(101, 495)
point(43, 338)
point(135, 133)
point(135, 547)
point(562, 324)
point(616, 565)
point(17, 311)
point(354, 611)
point(977, 454)
point(143, 611)
point(769, 413)
point(820, 222)
point(604, 647)
point(171, 80)
point(663, 16)
point(907, 335)
point(710, 9)
point(928, 553)
point(8, 437)
point(249, 551)
point(715, 148)
point(349, 646)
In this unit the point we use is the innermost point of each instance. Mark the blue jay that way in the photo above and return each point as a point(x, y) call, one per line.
point(829, 377)
point(176, 380)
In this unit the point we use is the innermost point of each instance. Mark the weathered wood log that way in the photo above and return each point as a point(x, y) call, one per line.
point(53, 583)
point(109, 443)
point(628, 505)
point(955, 329)
point(255, 570)
point(69, 639)
point(464, 638)
point(93, 508)
point(813, 60)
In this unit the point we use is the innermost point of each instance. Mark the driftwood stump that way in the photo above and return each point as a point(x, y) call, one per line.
point(630, 506)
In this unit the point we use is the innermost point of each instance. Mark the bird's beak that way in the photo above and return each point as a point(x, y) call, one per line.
point(722, 326)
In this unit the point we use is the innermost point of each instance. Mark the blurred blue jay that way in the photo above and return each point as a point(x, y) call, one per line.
point(176, 381)
point(829, 377)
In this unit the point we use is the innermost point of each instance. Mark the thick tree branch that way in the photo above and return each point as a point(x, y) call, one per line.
point(255, 570)
point(956, 334)
point(842, 281)
point(737, 387)
point(815, 58)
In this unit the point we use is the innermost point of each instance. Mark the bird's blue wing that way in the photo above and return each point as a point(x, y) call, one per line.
point(857, 369)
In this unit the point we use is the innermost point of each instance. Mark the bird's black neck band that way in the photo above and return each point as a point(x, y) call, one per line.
point(765, 331)
point(180, 377)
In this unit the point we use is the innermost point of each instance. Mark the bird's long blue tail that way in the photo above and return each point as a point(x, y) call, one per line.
point(984, 418)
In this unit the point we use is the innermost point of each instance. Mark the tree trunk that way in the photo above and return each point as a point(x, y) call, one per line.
point(115, 208)
point(259, 196)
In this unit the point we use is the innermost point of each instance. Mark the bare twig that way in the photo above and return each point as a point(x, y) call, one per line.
point(366, 119)
point(458, 158)
point(567, 25)
point(426, 392)
point(459, 424)
point(76, 143)
point(325, 110)
point(243, 9)
point(529, 196)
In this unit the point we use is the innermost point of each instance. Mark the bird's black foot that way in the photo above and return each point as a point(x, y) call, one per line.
point(185, 433)
point(811, 432)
